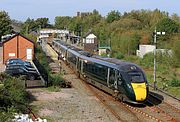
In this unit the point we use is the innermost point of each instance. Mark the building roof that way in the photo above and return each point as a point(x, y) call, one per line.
point(86, 34)
point(91, 36)
point(18, 34)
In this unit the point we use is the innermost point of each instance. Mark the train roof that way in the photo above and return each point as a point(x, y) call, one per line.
point(123, 65)
point(95, 60)
point(109, 62)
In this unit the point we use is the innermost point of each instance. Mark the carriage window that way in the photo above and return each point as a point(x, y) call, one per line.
point(136, 77)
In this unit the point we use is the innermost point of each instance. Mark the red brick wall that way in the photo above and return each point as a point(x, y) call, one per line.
point(9, 47)
point(23, 45)
point(17, 45)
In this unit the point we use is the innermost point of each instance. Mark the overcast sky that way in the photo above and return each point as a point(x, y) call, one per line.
point(22, 9)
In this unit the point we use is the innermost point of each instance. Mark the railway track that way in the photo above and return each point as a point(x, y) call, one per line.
point(157, 110)
point(115, 107)
point(166, 111)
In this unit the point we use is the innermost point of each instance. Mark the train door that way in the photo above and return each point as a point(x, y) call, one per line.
point(112, 78)
point(120, 81)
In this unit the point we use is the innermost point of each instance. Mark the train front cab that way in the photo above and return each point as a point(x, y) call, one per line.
point(136, 87)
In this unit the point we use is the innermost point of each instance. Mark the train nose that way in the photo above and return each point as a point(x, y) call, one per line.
point(139, 91)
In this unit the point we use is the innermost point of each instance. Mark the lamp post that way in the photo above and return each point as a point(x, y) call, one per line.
point(155, 42)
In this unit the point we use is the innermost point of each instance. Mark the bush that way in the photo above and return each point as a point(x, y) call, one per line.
point(148, 60)
point(42, 63)
point(175, 82)
point(57, 80)
point(13, 97)
point(118, 55)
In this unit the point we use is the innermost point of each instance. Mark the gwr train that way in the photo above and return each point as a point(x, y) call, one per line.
point(125, 81)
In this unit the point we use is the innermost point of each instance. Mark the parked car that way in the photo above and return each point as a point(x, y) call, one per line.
point(21, 70)
point(14, 60)
point(29, 68)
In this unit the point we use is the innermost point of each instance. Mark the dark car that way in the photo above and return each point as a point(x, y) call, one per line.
point(17, 61)
point(14, 60)
point(21, 70)
point(26, 65)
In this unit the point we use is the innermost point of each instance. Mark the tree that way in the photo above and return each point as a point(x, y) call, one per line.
point(42, 22)
point(175, 17)
point(112, 16)
point(168, 25)
point(34, 25)
point(29, 26)
point(5, 24)
point(62, 22)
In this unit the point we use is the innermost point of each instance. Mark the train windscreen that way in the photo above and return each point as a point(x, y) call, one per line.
point(136, 77)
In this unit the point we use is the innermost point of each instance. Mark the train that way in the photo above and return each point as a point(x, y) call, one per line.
point(125, 81)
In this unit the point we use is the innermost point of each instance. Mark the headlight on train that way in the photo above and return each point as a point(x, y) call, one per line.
point(129, 86)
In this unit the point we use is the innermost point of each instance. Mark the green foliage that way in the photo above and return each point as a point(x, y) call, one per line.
point(31, 25)
point(31, 37)
point(42, 63)
point(127, 44)
point(42, 22)
point(176, 50)
point(80, 24)
point(13, 97)
point(168, 25)
point(62, 22)
point(118, 55)
point(54, 89)
point(175, 82)
point(5, 24)
point(112, 16)
point(126, 23)
point(56, 80)
point(147, 60)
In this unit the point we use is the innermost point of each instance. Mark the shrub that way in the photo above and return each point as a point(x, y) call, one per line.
point(175, 82)
point(147, 60)
point(57, 80)
point(13, 97)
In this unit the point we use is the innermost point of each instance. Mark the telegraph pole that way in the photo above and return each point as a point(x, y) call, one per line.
point(155, 82)
point(155, 44)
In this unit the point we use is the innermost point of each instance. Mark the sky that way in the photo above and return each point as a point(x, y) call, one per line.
point(22, 9)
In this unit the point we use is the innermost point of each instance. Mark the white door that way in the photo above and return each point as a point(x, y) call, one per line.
point(29, 53)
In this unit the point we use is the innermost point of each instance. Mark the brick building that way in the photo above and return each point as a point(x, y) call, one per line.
point(90, 43)
point(18, 46)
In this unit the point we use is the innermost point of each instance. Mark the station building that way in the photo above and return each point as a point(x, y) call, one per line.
point(18, 46)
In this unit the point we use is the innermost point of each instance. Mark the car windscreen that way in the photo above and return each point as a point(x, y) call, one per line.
point(136, 77)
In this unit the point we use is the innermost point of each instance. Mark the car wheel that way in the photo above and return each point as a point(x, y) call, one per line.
point(31, 77)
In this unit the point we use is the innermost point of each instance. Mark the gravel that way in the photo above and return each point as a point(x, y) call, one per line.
point(70, 105)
